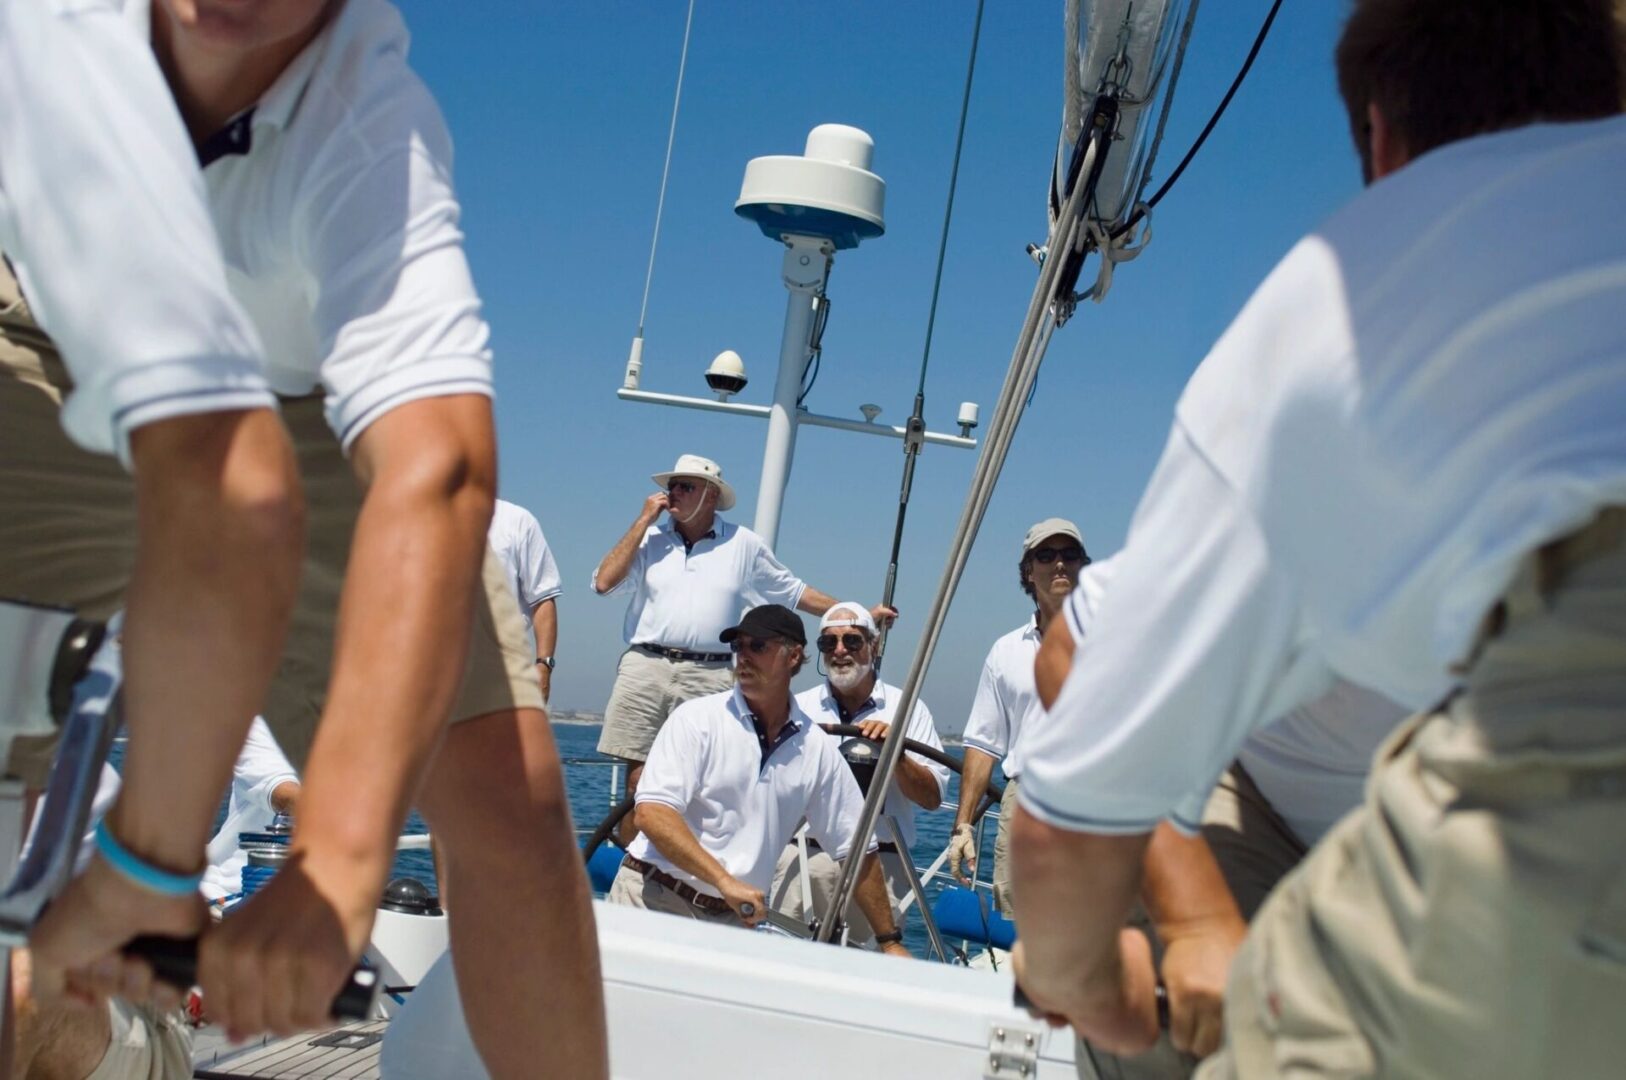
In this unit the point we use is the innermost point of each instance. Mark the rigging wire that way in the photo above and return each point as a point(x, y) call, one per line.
point(916, 428)
point(1208, 128)
point(666, 169)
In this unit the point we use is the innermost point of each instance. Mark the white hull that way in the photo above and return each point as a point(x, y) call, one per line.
point(691, 999)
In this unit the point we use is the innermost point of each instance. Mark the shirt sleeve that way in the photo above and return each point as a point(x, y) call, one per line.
point(676, 761)
point(540, 577)
point(396, 313)
point(103, 215)
point(1196, 642)
point(261, 768)
point(923, 729)
point(770, 579)
point(988, 728)
point(834, 811)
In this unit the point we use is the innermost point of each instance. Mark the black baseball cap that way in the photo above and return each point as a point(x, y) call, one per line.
point(768, 621)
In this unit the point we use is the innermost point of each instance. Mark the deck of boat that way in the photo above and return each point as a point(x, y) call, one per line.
point(348, 1052)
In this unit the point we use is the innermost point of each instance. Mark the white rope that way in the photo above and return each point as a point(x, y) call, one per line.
point(666, 169)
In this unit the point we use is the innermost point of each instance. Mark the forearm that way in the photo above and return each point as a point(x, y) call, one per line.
point(1183, 888)
point(612, 570)
point(545, 620)
point(976, 768)
point(1072, 894)
point(220, 539)
point(815, 602)
point(872, 896)
point(404, 623)
point(918, 784)
point(670, 834)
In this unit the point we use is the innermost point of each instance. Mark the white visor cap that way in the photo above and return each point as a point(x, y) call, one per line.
point(848, 613)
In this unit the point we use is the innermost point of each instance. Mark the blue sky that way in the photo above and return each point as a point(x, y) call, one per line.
point(559, 113)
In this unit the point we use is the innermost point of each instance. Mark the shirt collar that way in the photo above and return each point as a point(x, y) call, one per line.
point(718, 530)
point(794, 723)
point(1031, 629)
point(877, 700)
point(277, 105)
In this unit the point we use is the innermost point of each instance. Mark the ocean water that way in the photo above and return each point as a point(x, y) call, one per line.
point(588, 777)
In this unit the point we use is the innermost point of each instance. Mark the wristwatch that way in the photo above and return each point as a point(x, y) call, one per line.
point(888, 939)
point(546, 661)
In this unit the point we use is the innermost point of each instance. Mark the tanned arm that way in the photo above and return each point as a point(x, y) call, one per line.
point(876, 905)
point(1073, 956)
point(545, 620)
point(1201, 928)
point(404, 622)
point(612, 570)
point(670, 834)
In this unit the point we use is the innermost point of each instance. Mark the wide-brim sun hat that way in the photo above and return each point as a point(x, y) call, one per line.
point(695, 467)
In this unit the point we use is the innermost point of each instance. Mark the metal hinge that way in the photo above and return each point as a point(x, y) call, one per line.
point(1012, 1052)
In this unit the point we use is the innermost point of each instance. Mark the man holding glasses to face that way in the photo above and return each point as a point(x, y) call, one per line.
point(728, 779)
point(852, 694)
point(690, 577)
point(1052, 556)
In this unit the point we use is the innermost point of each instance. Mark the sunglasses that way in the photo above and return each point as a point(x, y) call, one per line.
point(682, 487)
point(1046, 556)
point(853, 642)
point(754, 646)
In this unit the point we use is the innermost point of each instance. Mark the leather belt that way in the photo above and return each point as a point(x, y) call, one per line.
point(886, 847)
point(682, 888)
point(682, 654)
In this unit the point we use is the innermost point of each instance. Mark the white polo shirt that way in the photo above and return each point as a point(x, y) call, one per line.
point(261, 768)
point(334, 204)
point(1310, 765)
point(820, 704)
point(102, 215)
point(1404, 409)
point(684, 598)
point(516, 537)
point(741, 800)
point(1007, 702)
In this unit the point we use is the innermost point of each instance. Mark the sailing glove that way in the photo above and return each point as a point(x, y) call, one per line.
point(963, 848)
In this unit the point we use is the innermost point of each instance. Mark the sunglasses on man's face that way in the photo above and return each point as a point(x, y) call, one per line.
point(681, 487)
point(1046, 556)
point(853, 642)
point(754, 646)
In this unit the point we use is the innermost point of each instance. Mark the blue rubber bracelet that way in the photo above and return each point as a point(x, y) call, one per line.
point(143, 873)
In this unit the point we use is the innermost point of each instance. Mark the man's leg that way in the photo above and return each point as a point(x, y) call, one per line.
point(647, 688)
point(522, 934)
point(1002, 849)
point(1470, 918)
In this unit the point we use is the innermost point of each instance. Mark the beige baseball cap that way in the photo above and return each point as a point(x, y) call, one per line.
point(1051, 527)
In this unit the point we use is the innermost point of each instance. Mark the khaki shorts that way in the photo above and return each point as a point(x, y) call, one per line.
point(632, 889)
point(1469, 919)
point(68, 538)
point(1002, 848)
point(823, 875)
point(647, 689)
point(145, 1045)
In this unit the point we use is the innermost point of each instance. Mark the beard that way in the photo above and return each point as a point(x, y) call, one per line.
point(848, 677)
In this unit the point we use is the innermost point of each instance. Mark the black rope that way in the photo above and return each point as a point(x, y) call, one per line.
point(1236, 84)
